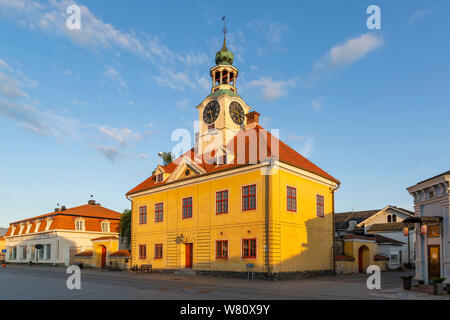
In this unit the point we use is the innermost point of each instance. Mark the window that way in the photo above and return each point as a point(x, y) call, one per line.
point(143, 215)
point(320, 206)
point(159, 178)
point(222, 202)
point(249, 198)
point(79, 225)
point(389, 218)
point(41, 254)
point(158, 251)
point(48, 251)
point(14, 253)
point(291, 199)
point(249, 249)
point(159, 212)
point(434, 231)
point(105, 226)
point(394, 218)
point(24, 252)
point(142, 251)
point(222, 249)
point(187, 208)
point(395, 259)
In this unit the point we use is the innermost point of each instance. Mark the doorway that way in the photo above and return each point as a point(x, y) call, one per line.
point(103, 257)
point(434, 262)
point(189, 255)
point(363, 258)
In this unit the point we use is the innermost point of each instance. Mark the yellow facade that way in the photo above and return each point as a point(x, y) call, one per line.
point(299, 241)
point(2, 247)
point(286, 241)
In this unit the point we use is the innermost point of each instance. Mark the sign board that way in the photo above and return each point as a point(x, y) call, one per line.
point(3, 250)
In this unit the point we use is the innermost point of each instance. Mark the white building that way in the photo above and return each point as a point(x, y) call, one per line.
point(386, 227)
point(431, 206)
point(56, 237)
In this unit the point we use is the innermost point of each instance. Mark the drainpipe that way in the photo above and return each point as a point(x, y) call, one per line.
point(131, 227)
point(267, 216)
point(333, 262)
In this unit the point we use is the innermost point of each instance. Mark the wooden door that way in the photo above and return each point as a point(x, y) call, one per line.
point(360, 260)
point(434, 262)
point(189, 255)
point(103, 257)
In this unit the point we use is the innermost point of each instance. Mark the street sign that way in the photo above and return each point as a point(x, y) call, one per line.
point(3, 250)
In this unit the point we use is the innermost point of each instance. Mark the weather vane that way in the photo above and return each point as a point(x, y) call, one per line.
point(225, 31)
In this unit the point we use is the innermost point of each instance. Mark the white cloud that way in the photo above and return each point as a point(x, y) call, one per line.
point(303, 144)
point(144, 156)
point(419, 14)
point(50, 16)
point(10, 87)
point(317, 104)
point(75, 102)
point(110, 152)
point(183, 104)
point(122, 136)
point(352, 50)
point(272, 89)
point(114, 75)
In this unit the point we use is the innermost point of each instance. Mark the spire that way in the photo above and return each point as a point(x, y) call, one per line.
point(224, 56)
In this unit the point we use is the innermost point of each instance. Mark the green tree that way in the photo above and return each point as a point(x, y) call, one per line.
point(166, 157)
point(125, 226)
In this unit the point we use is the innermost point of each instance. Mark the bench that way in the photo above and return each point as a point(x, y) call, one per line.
point(146, 268)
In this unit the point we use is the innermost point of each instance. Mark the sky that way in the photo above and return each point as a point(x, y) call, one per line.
point(85, 112)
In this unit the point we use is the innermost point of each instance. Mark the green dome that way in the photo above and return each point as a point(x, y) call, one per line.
point(224, 56)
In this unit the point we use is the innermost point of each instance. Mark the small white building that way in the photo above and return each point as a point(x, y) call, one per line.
point(431, 207)
point(55, 238)
point(386, 226)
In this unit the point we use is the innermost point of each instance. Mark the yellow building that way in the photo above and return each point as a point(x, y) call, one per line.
point(2, 249)
point(239, 199)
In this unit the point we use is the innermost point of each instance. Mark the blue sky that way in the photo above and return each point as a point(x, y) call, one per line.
point(85, 112)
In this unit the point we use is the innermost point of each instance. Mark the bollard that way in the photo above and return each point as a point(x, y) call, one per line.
point(249, 266)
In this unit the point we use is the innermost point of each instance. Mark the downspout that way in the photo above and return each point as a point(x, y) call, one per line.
point(267, 216)
point(333, 261)
point(131, 232)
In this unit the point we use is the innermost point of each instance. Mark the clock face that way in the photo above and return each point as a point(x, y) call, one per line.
point(211, 112)
point(237, 113)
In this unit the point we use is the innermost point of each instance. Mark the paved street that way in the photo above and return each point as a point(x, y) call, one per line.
point(25, 282)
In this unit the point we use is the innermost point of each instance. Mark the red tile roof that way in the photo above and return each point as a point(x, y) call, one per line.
point(286, 155)
point(343, 258)
point(85, 254)
point(380, 258)
point(105, 238)
point(65, 220)
point(121, 254)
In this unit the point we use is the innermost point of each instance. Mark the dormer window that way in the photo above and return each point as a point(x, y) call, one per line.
point(22, 226)
point(159, 178)
point(49, 223)
point(106, 226)
point(38, 224)
point(79, 225)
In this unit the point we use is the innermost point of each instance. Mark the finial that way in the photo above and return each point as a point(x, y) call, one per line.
point(225, 31)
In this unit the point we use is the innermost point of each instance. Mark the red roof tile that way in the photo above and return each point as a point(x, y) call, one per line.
point(121, 254)
point(105, 238)
point(286, 155)
point(85, 254)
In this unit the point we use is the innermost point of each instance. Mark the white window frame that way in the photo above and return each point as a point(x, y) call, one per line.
point(107, 224)
point(82, 225)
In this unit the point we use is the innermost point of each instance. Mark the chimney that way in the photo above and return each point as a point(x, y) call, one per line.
point(252, 119)
point(92, 202)
point(56, 209)
point(63, 208)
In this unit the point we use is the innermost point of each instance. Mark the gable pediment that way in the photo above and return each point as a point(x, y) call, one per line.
point(186, 168)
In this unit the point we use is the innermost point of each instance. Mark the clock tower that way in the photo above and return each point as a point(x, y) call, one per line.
point(223, 112)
